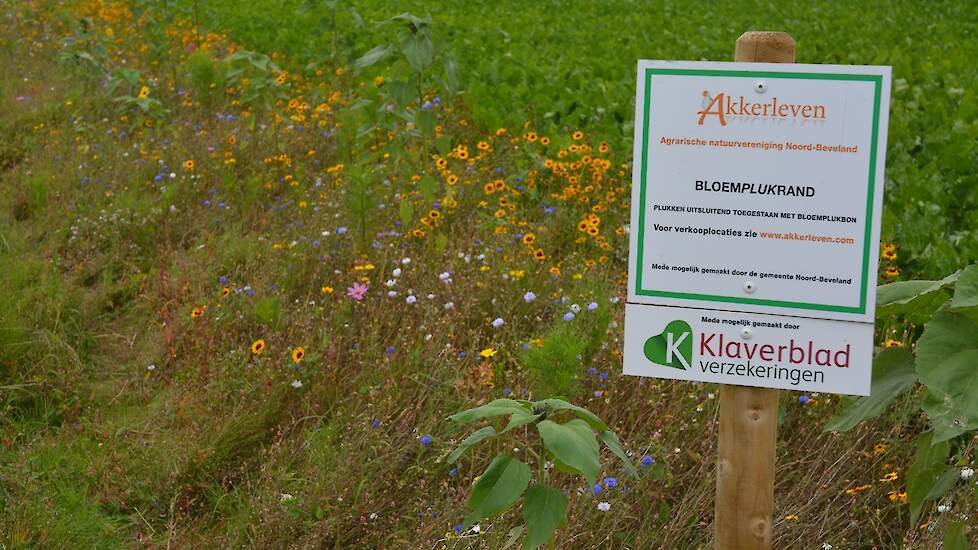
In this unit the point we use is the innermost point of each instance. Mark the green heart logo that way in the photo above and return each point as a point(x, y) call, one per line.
point(673, 347)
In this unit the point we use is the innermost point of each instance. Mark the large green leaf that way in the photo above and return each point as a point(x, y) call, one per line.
point(966, 289)
point(573, 444)
point(498, 407)
point(406, 212)
point(474, 438)
point(893, 374)
point(373, 56)
point(401, 92)
point(954, 537)
point(417, 49)
point(952, 400)
point(947, 353)
point(614, 444)
point(906, 297)
point(498, 488)
point(520, 418)
point(560, 405)
point(925, 472)
point(544, 510)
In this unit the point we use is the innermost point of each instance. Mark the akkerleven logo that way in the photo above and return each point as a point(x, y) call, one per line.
point(673, 347)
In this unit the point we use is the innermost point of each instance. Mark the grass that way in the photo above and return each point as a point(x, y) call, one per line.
point(127, 421)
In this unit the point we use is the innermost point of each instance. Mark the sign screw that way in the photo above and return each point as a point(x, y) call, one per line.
point(746, 333)
point(749, 287)
point(760, 86)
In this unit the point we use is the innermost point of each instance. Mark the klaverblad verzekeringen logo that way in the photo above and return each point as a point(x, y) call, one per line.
point(673, 347)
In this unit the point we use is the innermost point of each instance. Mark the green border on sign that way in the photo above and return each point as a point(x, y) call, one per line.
point(639, 290)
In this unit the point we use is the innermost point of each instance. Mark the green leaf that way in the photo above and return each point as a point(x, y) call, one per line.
point(406, 212)
point(498, 488)
point(512, 537)
point(966, 289)
point(441, 243)
point(372, 56)
point(952, 400)
point(426, 122)
point(544, 510)
point(926, 470)
point(520, 418)
point(944, 483)
point(451, 75)
point(443, 145)
point(474, 438)
point(904, 297)
point(893, 374)
point(496, 407)
point(400, 91)
point(947, 353)
point(614, 444)
point(954, 537)
point(560, 405)
point(428, 188)
point(573, 444)
point(417, 49)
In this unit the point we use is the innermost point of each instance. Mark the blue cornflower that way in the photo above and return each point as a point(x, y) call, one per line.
point(507, 391)
point(592, 371)
point(425, 440)
point(603, 376)
point(610, 482)
point(647, 460)
point(222, 279)
point(458, 528)
point(375, 423)
point(453, 471)
point(390, 350)
point(804, 399)
point(596, 489)
point(569, 316)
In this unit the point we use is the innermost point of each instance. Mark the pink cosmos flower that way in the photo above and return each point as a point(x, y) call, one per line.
point(357, 291)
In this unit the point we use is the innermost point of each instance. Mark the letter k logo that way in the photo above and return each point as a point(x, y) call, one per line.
point(673, 347)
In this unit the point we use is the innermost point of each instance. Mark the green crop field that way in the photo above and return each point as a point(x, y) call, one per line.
point(257, 258)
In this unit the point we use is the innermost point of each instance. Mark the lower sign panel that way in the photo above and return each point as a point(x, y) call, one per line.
point(748, 349)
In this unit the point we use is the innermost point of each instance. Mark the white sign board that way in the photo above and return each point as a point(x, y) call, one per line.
point(758, 188)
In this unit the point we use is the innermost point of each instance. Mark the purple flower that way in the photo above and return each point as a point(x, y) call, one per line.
point(222, 279)
point(340, 230)
point(610, 482)
point(647, 460)
point(596, 489)
point(529, 297)
point(804, 399)
point(425, 440)
point(507, 391)
point(390, 350)
point(569, 316)
point(458, 528)
point(453, 472)
point(375, 423)
point(592, 306)
point(498, 322)
point(592, 371)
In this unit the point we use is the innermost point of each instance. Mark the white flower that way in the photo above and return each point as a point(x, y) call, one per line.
point(967, 473)
point(445, 276)
point(476, 528)
point(285, 497)
point(604, 506)
point(575, 308)
point(406, 261)
point(411, 299)
point(943, 508)
point(427, 337)
point(390, 283)
point(373, 515)
point(391, 293)
point(297, 384)
point(826, 546)
point(498, 322)
point(430, 296)
point(449, 305)
point(153, 367)
point(396, 272)
point(529, 297)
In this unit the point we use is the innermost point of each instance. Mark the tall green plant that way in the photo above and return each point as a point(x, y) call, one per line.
point(571, 446)
point(944, 363)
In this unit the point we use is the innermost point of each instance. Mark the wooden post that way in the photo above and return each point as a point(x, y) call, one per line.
point(749, 416)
